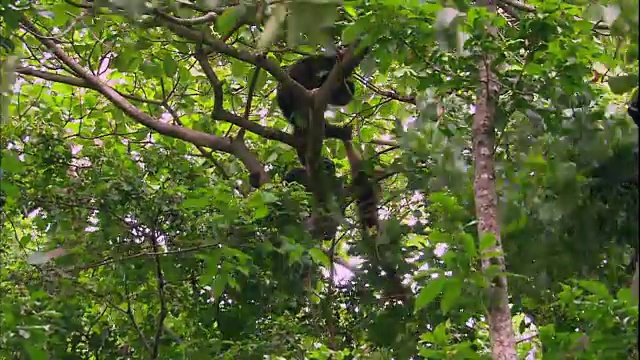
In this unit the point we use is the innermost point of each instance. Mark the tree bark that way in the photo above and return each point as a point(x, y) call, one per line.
point(503, 342)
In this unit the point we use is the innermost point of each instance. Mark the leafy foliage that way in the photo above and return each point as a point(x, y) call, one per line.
point(125, 236)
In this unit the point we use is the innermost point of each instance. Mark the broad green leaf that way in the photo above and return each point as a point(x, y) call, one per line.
point(239, 255)
point(487, 241)
point(260, 212)
point(9, 189)
point(595, 287)
point(170, 66)
point(440, 334)
point(196, 202)
point(319, 257)
point(452, 291)
point(219, 283)
point(229, 18)
point(260, 81)
point(469, 245)
point(212, 262)
point(429, 292)
point(36, 352)
point(622, 84)
point(10, 162)
point(367, 134)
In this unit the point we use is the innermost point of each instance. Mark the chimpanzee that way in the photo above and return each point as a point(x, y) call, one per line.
point(311, 72)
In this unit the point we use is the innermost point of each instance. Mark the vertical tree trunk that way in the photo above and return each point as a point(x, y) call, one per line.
point(503, 342)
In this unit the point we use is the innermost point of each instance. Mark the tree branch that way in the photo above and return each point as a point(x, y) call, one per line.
point(518, 5)
point(219, 113)
point(195, 137)
point(219, 46)
point(162, 315)
point(209, 17)
point(77, 82)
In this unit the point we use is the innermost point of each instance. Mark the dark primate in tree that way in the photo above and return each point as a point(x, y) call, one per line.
point(300, 176)
point(311, 72)
point(367, 200)
point(365, 193)
point(363, 186)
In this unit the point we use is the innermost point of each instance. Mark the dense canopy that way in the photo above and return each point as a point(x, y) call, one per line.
point(132, 133)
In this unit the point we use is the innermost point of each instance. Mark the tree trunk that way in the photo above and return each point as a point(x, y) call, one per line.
point(503, 342)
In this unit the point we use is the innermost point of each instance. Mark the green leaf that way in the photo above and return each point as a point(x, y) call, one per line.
point(151, 69)
point(261, 81)
point(351, 33)
point(268, 197)
point(429, 293)
point(452, 291)
point(229, 18)
point(10, 162)
point(212, 262)
point(487, 241)
point(239, 69)
point(235, 253)
point(260, 212)
point(440, 335)
point(196, 202)
point(319, 257)
point(367, 133)
point(469, 245)
point(622, 84)
point(219, 283)
point(595, 287)
point(169, 65)
point(10, 189)
point(36, 352)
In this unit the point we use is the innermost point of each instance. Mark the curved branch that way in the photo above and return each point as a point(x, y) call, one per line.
point(77, 82)
point(195, 137)
point(218, 45)
point(215, 82)
point(391, 94)
point(220, 113)
point(515, 4)
point(518, 5)
point(209, 17)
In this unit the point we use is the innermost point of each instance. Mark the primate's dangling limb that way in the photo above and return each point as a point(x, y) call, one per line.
point(367, 199)
point(365, 193)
